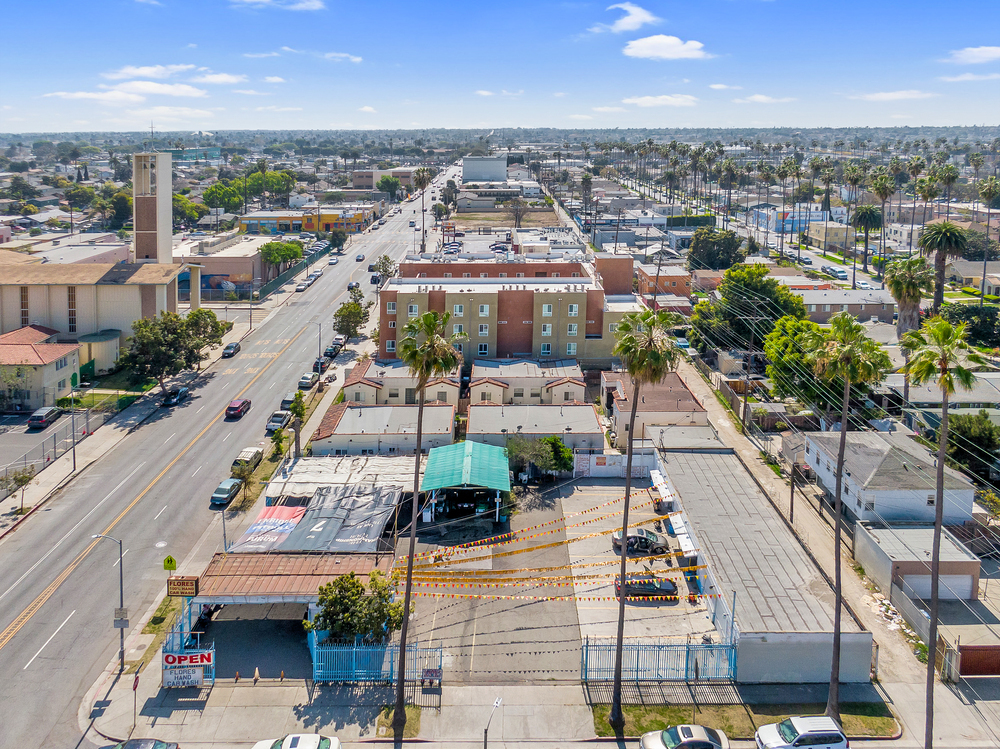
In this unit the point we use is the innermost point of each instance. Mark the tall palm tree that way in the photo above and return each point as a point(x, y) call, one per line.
point(928, 190)
point(867, 218)
point(914, 167)
point(883, 187)
point(827, 178)
point(421, 179)
point(648, 353)
point(843, 354)
point(945, 240)
point(429, 353)
point(977, 161)
point(989, 189)
point(947, 175)
point(782, 173)
point(906, 280)
point(853, 178)
point(939, 351)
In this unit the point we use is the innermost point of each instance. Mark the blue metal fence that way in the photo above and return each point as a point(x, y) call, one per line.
point(656, 660)
point(343, 663)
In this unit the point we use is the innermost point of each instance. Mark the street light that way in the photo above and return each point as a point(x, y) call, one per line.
point(319, 331)
point(486, 731)
point(121, 596)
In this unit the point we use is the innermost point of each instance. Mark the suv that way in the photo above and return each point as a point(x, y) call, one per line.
point(237, 408)
point(647, 586)
point(321, 364)
point(639, 539)
point(175, 396)
point(817, 731)
point(339, 340)
point(43, 417)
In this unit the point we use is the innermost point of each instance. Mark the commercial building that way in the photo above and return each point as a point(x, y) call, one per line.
point(664, 279)
point(367, 179)
point(823, 304)
point(666, 403)
point(484, 168)
point(390, 383)
point(525, 382)
point(576, 424)
point(354, 429)
point(351, 218)
point(37, 369)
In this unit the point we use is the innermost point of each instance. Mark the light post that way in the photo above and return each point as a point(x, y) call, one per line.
point(319, 342)
point(72, 421)
point(486, 731)
point(121, 598)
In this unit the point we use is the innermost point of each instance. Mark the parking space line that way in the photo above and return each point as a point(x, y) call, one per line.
point(48, 640)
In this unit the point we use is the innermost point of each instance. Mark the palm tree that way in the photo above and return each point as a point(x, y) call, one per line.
point(843, 354)
point(827, 178)
point(989, 189)
point(853, 177)
point(883, 187)
point(977, 161)
point(906, 280)
point(648, 353)
point(947, 175)
point(867, 218)
point(914, 167)
point(421, 179)
point(939, 351)
point(429, 353)
point(945, 240)
point(927, 189)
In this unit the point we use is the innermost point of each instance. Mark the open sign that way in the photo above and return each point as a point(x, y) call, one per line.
point(188, 659)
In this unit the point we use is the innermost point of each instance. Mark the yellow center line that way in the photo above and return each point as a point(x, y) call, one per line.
point(25, 616)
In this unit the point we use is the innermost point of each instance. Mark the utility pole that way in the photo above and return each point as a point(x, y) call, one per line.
point(749, 365)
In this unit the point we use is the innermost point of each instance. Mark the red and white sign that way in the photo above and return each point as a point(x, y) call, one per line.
point(202, 658)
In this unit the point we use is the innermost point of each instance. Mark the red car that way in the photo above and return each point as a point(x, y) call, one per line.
point(237, 408)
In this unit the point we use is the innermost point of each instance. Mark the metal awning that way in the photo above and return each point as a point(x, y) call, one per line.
point(466, 464)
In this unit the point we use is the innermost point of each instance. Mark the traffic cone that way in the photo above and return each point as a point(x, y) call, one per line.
point(256, 675)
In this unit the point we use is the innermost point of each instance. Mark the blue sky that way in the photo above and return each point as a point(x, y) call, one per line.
point(275, 64)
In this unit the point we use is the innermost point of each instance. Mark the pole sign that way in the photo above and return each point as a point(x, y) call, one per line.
point(185, 586)
point(183, 677)
point(170, 564)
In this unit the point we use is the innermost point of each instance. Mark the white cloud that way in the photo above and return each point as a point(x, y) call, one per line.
point(635, 18)
point(105, 97)
point(161, 89)
point(146, 71)
point(666, 100)
point(280, 4)
point(369, 110)
point(170, 113)
point(580, 117)
point(664, 47)
point(609, 109)
point(273, 79)
point(341, 56)
point(974, 55)
point(484, 92)
point(559, 94)
point(289, 49)
point(219, 78)
point(505, 92)
point(279, 109)
point(192, 45)
point(762, 99)
point(250, 92)
point(895, 95)
point(970, 77)
point(257, 55)
point(148, 2)
point(723, 87)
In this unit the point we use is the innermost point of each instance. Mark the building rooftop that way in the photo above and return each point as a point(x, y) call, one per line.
point(348, 418)
point(34, 354)
point(622, 303)
point(914, 543)
point(671, 394)
point(493, 285)
point(844, 296)
point(673, 269)
point(506, 369)
point(985, 390)
point(489, 418)
point(376, 372)
point(83, 274)
point(28, 334)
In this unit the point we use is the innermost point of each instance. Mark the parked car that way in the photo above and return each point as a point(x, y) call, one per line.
point(278, 420)
point(231, 349)
point(647, 586)
point(353, 285)
point(302, 287)
point(333, 261)
point(817, 731)
point(360, 258)
point(317, 273)
point(864, 285)
point(288, 400)
point(307, 380)
point(300, 741)
point(43, 417)
point(175, 396)
point(339, 340)
point(376, 278)
point(146, 744)
point(806, 260)
point(640, 539)
point(225, 492)
point(321, 364)
point(237, 408)
point(331, 351)
point(249, 456)
point(371, 267)
point(685, 737)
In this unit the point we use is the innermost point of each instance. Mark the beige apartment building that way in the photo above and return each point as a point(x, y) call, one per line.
point(389, 383)
point(830, 235)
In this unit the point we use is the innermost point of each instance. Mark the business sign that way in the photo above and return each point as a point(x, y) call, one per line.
point(185, 586)
point(190, 658)
point(183, 677)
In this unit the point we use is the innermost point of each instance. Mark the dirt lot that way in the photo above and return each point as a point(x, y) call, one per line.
point(530, 220)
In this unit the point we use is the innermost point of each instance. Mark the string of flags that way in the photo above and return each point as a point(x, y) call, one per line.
point(489, 575)
point(419, 571)
point(494, 596)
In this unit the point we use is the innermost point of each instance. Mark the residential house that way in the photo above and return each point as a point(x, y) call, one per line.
point(865, 305)
point(667, 403)
point(576, 424)
point(37, 369)
point(526, 381)
point(829, 235)
point(970, 272)
point(706, 280)
point(390, 383)
point(665, 279)
point(802, 282)
point(353, 429)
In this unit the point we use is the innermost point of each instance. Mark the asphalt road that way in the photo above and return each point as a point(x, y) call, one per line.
point(60, 586)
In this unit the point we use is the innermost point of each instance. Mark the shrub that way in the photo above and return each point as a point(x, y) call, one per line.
point(970, 290)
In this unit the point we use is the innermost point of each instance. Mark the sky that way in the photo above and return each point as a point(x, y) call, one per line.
point(327, 64)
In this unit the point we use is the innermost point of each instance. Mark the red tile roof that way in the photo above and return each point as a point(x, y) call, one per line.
point(28, 334)
point(36, 354)
point(328, 426)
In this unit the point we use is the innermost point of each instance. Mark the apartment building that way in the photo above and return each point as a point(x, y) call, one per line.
point(829, 235)
point(367, 179)
point(665, 279)
point(526, 382)
point(389, 383)
point(865, 305)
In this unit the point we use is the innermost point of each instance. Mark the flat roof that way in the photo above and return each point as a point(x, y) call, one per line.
point(83, 274)
point(495, 285)
point(503, 369)
point(844, 296)
point(351, 418)
point(913, 543)
point(491, 418)
point(305, 475)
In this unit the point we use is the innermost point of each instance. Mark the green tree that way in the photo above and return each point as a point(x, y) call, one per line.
point(164, 346)
point(243, 472)
point(298, 407)
point(421, 180)
point(941, 353)
point(349, 318)
point(557, 457)
point(21, 189)
point(337, 239)
point(714, 250)
point(868, 218)
point(204, 331)
point(648, 353)
point(945, 240)
point(978, 247)
point(389, 185)
point(224, 196)
point(385, 266)
point(440, 210)
point(278, 441)
point(845, 354)
point(883, 187)
point(18, 480)
point(186, 211)
point(80, 196)
point(121, 204)
point(350, 611)
point(982, 323)
point(789, 366)
point(279, 255)
point(429, 353)
point(974, 441)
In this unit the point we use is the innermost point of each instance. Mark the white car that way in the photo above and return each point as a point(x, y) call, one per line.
point(817, 731)
point(333, 261)
point(864, 285)
point(300, 741)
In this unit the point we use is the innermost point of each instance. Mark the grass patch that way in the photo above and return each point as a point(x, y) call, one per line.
point(383, 724)
point(158, 625)
point(729, 409)
point(861, 719)
point(120, 380)
point(244, 501)
point(771, 463)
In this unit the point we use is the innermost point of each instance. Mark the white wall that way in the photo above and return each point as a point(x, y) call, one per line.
point(801, 657)
point(381, 444)
point(484, 168)
point(613, 466)
point(869, 555)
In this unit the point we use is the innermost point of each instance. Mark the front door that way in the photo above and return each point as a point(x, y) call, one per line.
point(411, 396)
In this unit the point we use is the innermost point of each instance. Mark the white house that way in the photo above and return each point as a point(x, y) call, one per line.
point(887, 478)
point(524, 381)
point(389, 383)
point(667, 403)
point(353, 429)
point(577, 425)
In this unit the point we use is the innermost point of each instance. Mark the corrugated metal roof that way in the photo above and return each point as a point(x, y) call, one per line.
point(466, 464)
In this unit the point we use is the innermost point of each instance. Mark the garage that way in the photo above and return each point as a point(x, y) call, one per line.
point(951, 587)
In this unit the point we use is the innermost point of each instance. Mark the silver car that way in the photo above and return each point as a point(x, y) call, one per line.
point(685, 737)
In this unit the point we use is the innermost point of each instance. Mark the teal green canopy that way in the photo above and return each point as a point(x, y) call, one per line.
point(466, 464)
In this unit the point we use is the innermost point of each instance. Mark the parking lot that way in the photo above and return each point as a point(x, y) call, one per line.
point(16, 439)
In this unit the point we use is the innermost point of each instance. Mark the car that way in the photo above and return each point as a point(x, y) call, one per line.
point(647, 586)
point(360, 258)
point(371, 267)
point(640, 539)
point(278, 420)
point(310, 280)
point(864, 285)
point(300, 741)
point(146, 744)
point(231, 349)
point(302, 287)
point(353, 285)
point(237, 408)
point(684, 737)
point(175, 396)
point(806, 260)
point(817, 731)
point(225, 491)
point(332, 350)
point(43, 417)
point(317, 273)
point(321, 364)
point(376, 278)
point(307, 380)
point(339, 340)
point(333, 261)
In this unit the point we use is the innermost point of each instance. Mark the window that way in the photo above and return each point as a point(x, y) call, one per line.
point(571, 329)
point(612, 327)
point(411, 310)
point(442, 396)
point(359, 396)
point(25, 317)
point(930, 500)
point(62, 363)
point(575, 275)
point(518, 275)
point(570, 349)
point(460, 348)
point(486, 395)
point(458, 310)
point(458, 329)
point(447, 275)
point(484, 275)
point(843, 308)
point(71, 306)
point(339, 451)
point(503, 275)
point(466, 275)
point(62, 385)
point(484, 349)
point(546, 329)
point(484, 330)
point(555, 275)
point(546, 310)
point(537, 392)
point(546, 349)
point(573, 310)
point(567, 396)
point(812, 307)
point(869, 507)
point(826, 307)
point(390, 308)
point(518, 392)
point(392, 323)
point(423, 275)
point(484, 310)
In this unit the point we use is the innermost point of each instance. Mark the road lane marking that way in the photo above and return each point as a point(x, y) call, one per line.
point(161, 511)
point(169, 438)
point(193, 474)
point(200, 410)
point(70, 531)
point(48, 640)
point(270, 386)
point(119, 559)
point(25, 616)
point(228, 435)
